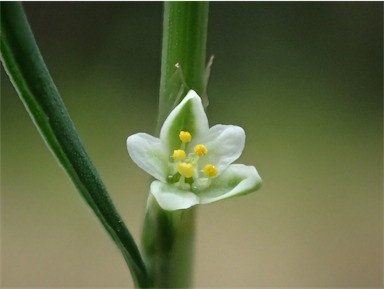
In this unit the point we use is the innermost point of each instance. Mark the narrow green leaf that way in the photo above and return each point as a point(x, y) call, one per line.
point(24, 64)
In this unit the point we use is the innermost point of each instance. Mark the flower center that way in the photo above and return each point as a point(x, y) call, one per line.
point(186, 172)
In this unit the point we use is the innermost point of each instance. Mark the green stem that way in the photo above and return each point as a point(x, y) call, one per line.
point(184, 43)
point(168, 237)
point(168, 240)
point(24, 64)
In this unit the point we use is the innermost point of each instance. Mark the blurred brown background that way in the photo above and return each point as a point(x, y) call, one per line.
point(305, 82)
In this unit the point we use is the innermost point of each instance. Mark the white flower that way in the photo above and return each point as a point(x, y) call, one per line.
point(192, 163)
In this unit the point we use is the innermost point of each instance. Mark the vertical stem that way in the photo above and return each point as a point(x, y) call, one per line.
point(184, 43)
point(168, 242)
point(168, 237)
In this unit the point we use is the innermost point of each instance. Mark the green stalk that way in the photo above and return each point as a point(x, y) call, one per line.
point(24, 64)
point(168, 237)
point(168, 242)
point(184, 43)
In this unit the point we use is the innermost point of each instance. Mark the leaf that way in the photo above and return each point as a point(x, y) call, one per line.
point(24, 64)
point(207, 74)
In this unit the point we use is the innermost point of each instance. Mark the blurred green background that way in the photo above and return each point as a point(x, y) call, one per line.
point(305, 82)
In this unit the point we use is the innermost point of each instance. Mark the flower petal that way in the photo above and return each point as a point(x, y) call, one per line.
point(236, 180)
point(170, 198)
point(188, 115)
point(149, 154)
point(225, 143)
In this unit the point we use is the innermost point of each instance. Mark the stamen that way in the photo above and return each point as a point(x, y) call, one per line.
point(186, 169)
point(185, 136)
point(210, 170)
point(200, 150)
point(178, 155)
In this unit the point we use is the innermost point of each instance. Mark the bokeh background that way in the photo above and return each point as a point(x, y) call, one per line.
point(305, 82)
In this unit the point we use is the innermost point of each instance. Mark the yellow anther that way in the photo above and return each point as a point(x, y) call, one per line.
point(200, 150)
point(186, 169)
point(210, 170)
point(185, 136)
point(178, 155)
